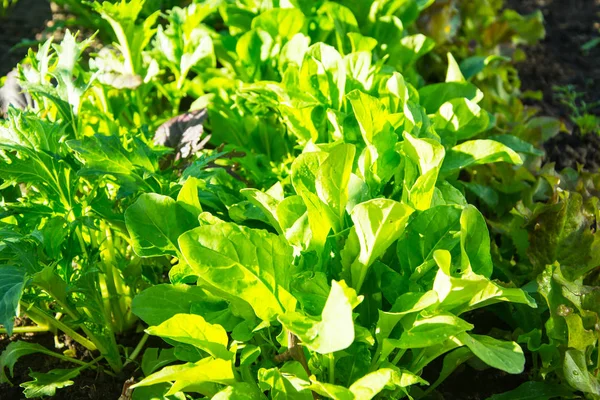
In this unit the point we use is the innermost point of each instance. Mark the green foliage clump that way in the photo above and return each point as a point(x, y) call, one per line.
point(306, 228)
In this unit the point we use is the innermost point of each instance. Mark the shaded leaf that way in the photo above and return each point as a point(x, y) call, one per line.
point(45, 384)
point(12, 282)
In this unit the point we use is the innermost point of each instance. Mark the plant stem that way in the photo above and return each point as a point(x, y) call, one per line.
point(331, 359)
point(140, 106)
point(113, 294)
point(26, 329)
point(137, 350)
point(73, 360)
point(83, 364)
point(70, 359)
point(399, 355)
point(39, 313)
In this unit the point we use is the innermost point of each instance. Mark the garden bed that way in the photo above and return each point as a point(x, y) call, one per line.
point(23, 23)
point(556, 61)
point(560, 61)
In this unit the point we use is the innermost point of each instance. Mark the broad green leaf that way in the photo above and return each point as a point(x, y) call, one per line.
point(207, 370)
point(378, 223)
point(159, 303)
point(379, 160)
point(304, 120)
point(506, 356)
point(388, 30)
point(552, 292)
point(360, 43)
point(453, 74)
point(280, 22)
point(12, 282)
point(471, 291)
point(193, 329)
point(266, 203)
point(156, 392)
point(254, 49)
point(294, 220)
point(542, 129)
point(561, 232)
point(240, 391)
point(535, 391)
point(449, 195)
point(312, 290)
point(373, 383)
point(330, 390)
point(305, 169)
point(518, 145)
point(321, 218)
point(411, 49)
point(287, 382)
point(249, 355)
point(577, 374)
point(155, 222)
point(333, 178)
point(16, 350)
point(45, 384)
point(55, 232)
point(429, 331)
point(475, 243)
point(358, 192)
point(334, 331)
point(342, 19)
point(249, 264)
point(477, 152)
point(395, 95)
point(462, 118)
point(530, 28)
point(579, 337)
point(353, 363)
point(433, 96)
point(473, 65)
point(323, 74)
point(431, 230)
point(188, 196)
point(292, 53)
point(486, 194)
point(428, 155)
point(154, 359)
point(406, 304)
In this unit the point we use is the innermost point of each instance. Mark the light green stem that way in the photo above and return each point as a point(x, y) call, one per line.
point(39, 313)
point(26, 329)
point(396, 359)
point(113, 294)
point(137, 350)
point(331, 359)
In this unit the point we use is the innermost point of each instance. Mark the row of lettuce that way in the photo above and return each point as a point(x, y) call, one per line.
point(302, 198)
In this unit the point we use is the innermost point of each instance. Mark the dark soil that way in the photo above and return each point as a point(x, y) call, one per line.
point(560, 61)
point(89, 385)
point(24, 22)
point(468, 383)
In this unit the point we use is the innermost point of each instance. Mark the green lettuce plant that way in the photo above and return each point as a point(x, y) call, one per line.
point(337, 270)
point(315, 237)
